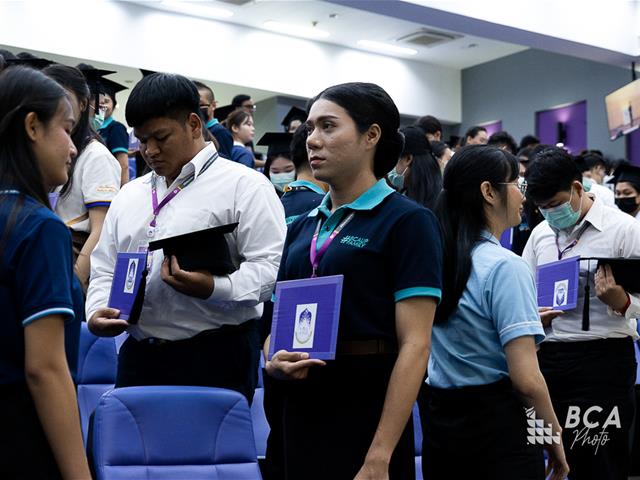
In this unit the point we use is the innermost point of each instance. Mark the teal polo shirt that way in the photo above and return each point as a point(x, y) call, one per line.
point(390, 251)
point(300, 197)
point(115, 136)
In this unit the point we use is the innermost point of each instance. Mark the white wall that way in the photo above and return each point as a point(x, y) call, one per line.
point(136, 36)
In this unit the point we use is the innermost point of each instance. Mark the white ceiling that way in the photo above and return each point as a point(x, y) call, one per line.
point(348, 25)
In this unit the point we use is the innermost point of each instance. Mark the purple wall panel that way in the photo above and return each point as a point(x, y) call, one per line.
point(492, 127)
point(574, 118)
point(633, 147)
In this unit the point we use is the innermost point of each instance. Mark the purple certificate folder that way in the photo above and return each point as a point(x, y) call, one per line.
point(127, 286)
point(306, 316)
point(557, 284)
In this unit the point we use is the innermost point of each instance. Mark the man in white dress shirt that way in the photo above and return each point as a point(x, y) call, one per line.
point(589, 365)
point(195, 328)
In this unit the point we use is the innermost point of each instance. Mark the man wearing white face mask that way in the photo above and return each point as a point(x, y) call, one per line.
point(587, 357)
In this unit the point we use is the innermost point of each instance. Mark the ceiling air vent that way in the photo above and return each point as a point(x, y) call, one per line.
point(429, 38)
point(237, 2)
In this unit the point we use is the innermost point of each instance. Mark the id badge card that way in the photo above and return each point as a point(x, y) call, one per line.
point(128, 284)
point(306, 315)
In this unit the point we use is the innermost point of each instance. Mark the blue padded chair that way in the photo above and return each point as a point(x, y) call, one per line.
point(260, 426)
point(97, 364)
point(637, 347)
point(173, 432)
point(417, 438)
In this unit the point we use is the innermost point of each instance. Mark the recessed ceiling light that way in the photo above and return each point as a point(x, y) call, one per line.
point(386, 47)
point(296, 30)
point(196, 9)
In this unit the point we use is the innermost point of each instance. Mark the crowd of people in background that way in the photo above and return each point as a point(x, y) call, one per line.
point(439, 299)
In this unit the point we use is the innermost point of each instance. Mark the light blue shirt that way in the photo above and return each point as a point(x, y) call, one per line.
point(498, 305)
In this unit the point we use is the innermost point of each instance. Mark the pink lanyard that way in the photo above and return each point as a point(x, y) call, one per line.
point(316, 255)
point(157, 207)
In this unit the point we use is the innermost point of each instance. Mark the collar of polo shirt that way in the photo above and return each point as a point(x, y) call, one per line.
point(367, 201)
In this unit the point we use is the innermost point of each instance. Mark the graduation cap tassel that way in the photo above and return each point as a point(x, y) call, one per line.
point(585, 307)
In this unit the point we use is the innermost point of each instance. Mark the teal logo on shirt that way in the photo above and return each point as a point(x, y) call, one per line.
point(354, 241)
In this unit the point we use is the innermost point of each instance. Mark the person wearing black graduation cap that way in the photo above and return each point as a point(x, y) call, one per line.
point(279, 168)
point(587, 357)
point(627, 189)
point(113, 132)
point(293, 119)
point(198, 323)
point(208, 108)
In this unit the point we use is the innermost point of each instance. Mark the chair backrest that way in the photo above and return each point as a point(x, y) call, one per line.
point(260, 425)
point(417, 430)
point(637, 346)
point(173, 432)
point(97, 364)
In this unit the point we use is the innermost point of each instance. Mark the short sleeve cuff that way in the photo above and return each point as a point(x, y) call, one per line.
point(522, 329)
point(64, 311)
point(221, 288)
point(120, 150)
point(418, 292)
point(97, 204)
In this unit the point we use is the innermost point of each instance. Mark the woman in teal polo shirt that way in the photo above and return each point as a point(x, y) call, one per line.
point(349, 418)
point(39, 422)
point(483, 370)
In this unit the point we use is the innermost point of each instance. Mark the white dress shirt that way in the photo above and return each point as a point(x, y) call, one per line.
point(96, 181)
point(603, 193)
point(610, 233)
point(224, 193)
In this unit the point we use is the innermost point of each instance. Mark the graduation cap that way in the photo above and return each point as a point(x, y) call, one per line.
point(94, 77)
point(294, 113)
point(146, 73)
point(33, 62)
point(626, 173)
point(201, 250)
point(625, 271)
point(221, 113)
point(279, 143)
point(415, 142)
point(111, 88)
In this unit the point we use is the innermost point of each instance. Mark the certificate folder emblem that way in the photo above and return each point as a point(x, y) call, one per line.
point(306, 315)
point(128, 285)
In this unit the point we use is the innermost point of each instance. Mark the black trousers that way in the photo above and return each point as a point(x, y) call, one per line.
point(326, 423)
point(478, 433)
point(226, 358)
point(597, 375)
point(24, 450)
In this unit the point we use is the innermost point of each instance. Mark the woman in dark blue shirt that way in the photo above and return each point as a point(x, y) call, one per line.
point(350, 418)
point(40, 434)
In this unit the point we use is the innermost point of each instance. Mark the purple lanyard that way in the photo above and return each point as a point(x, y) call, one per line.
point(572, 244)
point(171, 195)
point(316, 255)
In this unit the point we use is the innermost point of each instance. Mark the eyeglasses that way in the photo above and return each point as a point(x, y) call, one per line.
point(251, 107)
point(521, 183)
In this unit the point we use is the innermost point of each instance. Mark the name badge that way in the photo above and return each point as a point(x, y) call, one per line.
point(306, 316)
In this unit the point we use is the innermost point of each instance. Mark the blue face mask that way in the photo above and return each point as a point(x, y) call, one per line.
point(397, 179)
point(563, 216)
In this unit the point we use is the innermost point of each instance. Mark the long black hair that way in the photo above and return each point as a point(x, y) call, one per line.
point(366, 104)
point(460, 209)
point(72, 80)
point(22, 91)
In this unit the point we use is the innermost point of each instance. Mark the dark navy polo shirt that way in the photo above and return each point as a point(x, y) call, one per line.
point(242, 155)
point(300, 197)
point(36, 280)
point(115, 136)
point(223, 136)
point(391, 250)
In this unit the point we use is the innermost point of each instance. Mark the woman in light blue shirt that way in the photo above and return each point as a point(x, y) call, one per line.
point(485, 390)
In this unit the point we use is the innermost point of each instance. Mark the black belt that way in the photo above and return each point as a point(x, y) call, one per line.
point(367, 347)
point(223, 330)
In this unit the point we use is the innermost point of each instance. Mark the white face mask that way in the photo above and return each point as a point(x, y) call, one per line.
point(281, 180)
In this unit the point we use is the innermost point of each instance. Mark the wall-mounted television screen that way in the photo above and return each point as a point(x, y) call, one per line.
point(623, 109)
